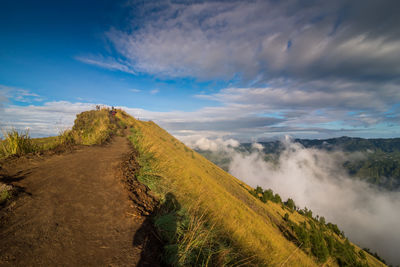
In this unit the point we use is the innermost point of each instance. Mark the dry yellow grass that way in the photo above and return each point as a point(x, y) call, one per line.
point(193, 179)
point(251, 224)
point(93, 127)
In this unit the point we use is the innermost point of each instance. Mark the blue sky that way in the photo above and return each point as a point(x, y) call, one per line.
point(242, 69)
point(41, 44)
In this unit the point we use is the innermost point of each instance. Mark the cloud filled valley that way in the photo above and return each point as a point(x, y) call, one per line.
point(316, 179)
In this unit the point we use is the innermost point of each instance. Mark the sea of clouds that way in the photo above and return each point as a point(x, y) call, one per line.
point(315, 179)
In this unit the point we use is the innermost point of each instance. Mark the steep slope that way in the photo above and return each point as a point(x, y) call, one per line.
point(254, 233)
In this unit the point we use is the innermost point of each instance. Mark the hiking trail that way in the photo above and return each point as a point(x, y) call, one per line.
point(75, 210)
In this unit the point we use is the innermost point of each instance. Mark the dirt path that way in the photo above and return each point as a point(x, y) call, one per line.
point(75, 211)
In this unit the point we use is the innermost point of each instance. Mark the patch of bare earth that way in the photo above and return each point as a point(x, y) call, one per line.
point(82, 208)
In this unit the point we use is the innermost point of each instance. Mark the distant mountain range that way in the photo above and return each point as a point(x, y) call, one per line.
point(353, 144)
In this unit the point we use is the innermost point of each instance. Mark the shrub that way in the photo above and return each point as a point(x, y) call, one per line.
point(362, 254)
point(335, 229)
point(66, 138)
point(290, 204)
point(16, 143)
point(318, 246)
point(277, 198)
point(268, 194)
point(259, 190)
point(5, 193)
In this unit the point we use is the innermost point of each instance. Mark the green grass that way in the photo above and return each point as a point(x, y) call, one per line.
point(190, 239)
point(4, 196)
point(16, 143)
point(45, 143)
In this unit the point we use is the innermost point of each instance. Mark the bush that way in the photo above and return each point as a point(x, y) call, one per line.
point(290, 204)
point(277, 199)
point(66, 138)
point(259, 190)
point(5, 193)
point(318, 246)
point(268, 194)
point(16, 143)
point(362, 254)
point(335, 229)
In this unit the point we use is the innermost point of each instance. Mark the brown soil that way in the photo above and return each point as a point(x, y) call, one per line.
point(82, 208)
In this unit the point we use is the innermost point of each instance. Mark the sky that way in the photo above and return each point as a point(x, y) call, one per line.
point(249, 70)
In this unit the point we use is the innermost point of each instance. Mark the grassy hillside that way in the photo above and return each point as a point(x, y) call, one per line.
point(241, 228)
point(208, 217)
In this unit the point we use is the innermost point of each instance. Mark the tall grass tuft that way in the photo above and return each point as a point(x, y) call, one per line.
point(5, 193)
point(16, 143)
point(191, 239)
point(66, 138)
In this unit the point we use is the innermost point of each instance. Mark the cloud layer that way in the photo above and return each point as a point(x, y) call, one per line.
point(316, 179)
point(239, 121)
point(46, 120)
point(262, 39)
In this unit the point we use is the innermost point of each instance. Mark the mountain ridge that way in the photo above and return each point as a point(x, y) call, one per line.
point(207, 216)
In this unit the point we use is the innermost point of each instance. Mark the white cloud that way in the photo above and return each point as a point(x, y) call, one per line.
point(317, 180)
point(18, 94)
point(251, 38)
point(107, 63)
point(314, 68)
point(212, 145)
point(257, 146)
point(46, 120)
point(317, 94)
point(135, 90)
point(228, 121)
point(154, 91)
